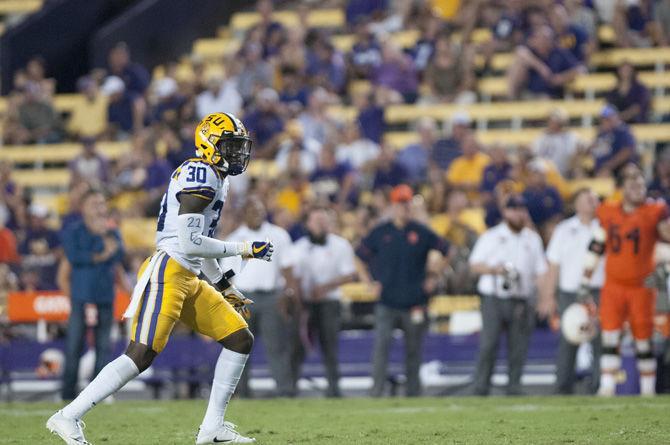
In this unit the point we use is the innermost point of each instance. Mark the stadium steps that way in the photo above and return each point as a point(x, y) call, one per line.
point(58, 178)
point(62, 102)
point(643, 132)
point(483, 113)
point(334, 19)
point(587, 84)
point(58, 153)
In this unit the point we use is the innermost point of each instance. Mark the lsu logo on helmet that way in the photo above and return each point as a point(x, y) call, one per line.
point(222, 140)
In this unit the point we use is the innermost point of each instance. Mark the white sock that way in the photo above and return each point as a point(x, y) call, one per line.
point(607, 384)
point(227, 373)
point(110, 379)
point(647, 369)
point(610, 365)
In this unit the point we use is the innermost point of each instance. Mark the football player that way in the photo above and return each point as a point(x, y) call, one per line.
point(631, 229)
point(169, 289)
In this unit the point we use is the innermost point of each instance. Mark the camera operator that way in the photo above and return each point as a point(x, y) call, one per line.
point(510, 262)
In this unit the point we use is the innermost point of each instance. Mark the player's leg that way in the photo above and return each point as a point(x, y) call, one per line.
point(208, 313)
point(642, 305)
point(243, 389)
point(612, 314)
point(152, 324)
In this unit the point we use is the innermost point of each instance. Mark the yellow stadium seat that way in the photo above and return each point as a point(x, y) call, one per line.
point(587, 83)
point(19, 6)
point(138, 233)
point(606, 34)
point(318, 18)
point(642, 132)
point(52, 178)
point(54, 153)
point(404, 39)
point(444, 305)
point(358, 292)
point(601, 186)
point(62, 102)
point(215, 47)
point(636, 56)
point(496, 111)
point(263, 168)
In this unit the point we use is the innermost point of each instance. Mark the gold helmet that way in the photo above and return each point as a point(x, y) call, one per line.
point(222, 140)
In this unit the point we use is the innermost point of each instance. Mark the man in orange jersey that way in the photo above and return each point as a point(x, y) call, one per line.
point(631, 229)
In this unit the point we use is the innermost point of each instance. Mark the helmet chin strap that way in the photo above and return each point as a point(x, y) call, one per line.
point(223, 165)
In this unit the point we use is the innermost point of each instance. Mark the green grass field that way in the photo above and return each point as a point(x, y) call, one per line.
point(526, 420)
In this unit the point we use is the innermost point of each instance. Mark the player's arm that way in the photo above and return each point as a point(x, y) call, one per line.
point(190, 228)
point(222, 282)
point(663, 227)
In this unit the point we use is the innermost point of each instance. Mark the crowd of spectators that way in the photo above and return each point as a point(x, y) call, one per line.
point(282, 81)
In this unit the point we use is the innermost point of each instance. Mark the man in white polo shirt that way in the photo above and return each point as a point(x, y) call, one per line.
point(323, 262)
point(271, 286)
point(509, 259)
point(566, 270)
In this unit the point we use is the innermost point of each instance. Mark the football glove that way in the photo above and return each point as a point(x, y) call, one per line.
point(260, 250)
point(238, 301)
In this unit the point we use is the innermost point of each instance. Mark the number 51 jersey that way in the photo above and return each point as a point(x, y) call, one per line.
point(631, 237)
point(197, 178)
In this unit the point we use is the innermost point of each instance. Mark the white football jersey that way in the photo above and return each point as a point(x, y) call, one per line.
point(198, 178)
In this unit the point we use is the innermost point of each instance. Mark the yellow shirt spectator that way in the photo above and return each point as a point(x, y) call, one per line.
point(468, 171)
point(89, 119)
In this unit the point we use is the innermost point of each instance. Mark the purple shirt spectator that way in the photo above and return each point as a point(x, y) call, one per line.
point(414, 158)
point(326, 181)
point(38, 252)
point(445, 151)
point(135, 77)
point(263, 125)
point(573, 39)
point(389, 175)
point(365, 56)
point(558, 61)
point(493, 174)
point(397, 72)
point(360, 9)
point(158, 174)
point(371, 121)
point(611, 142)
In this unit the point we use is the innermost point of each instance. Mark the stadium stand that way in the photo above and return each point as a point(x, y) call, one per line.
point(40, 172)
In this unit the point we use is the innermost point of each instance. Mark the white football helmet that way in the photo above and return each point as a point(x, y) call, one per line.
point(578, 324)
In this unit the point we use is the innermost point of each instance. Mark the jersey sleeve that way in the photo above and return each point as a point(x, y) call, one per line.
point(197, 179)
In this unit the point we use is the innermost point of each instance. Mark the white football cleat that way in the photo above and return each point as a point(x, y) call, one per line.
point(70, 430)
point(225, 434)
